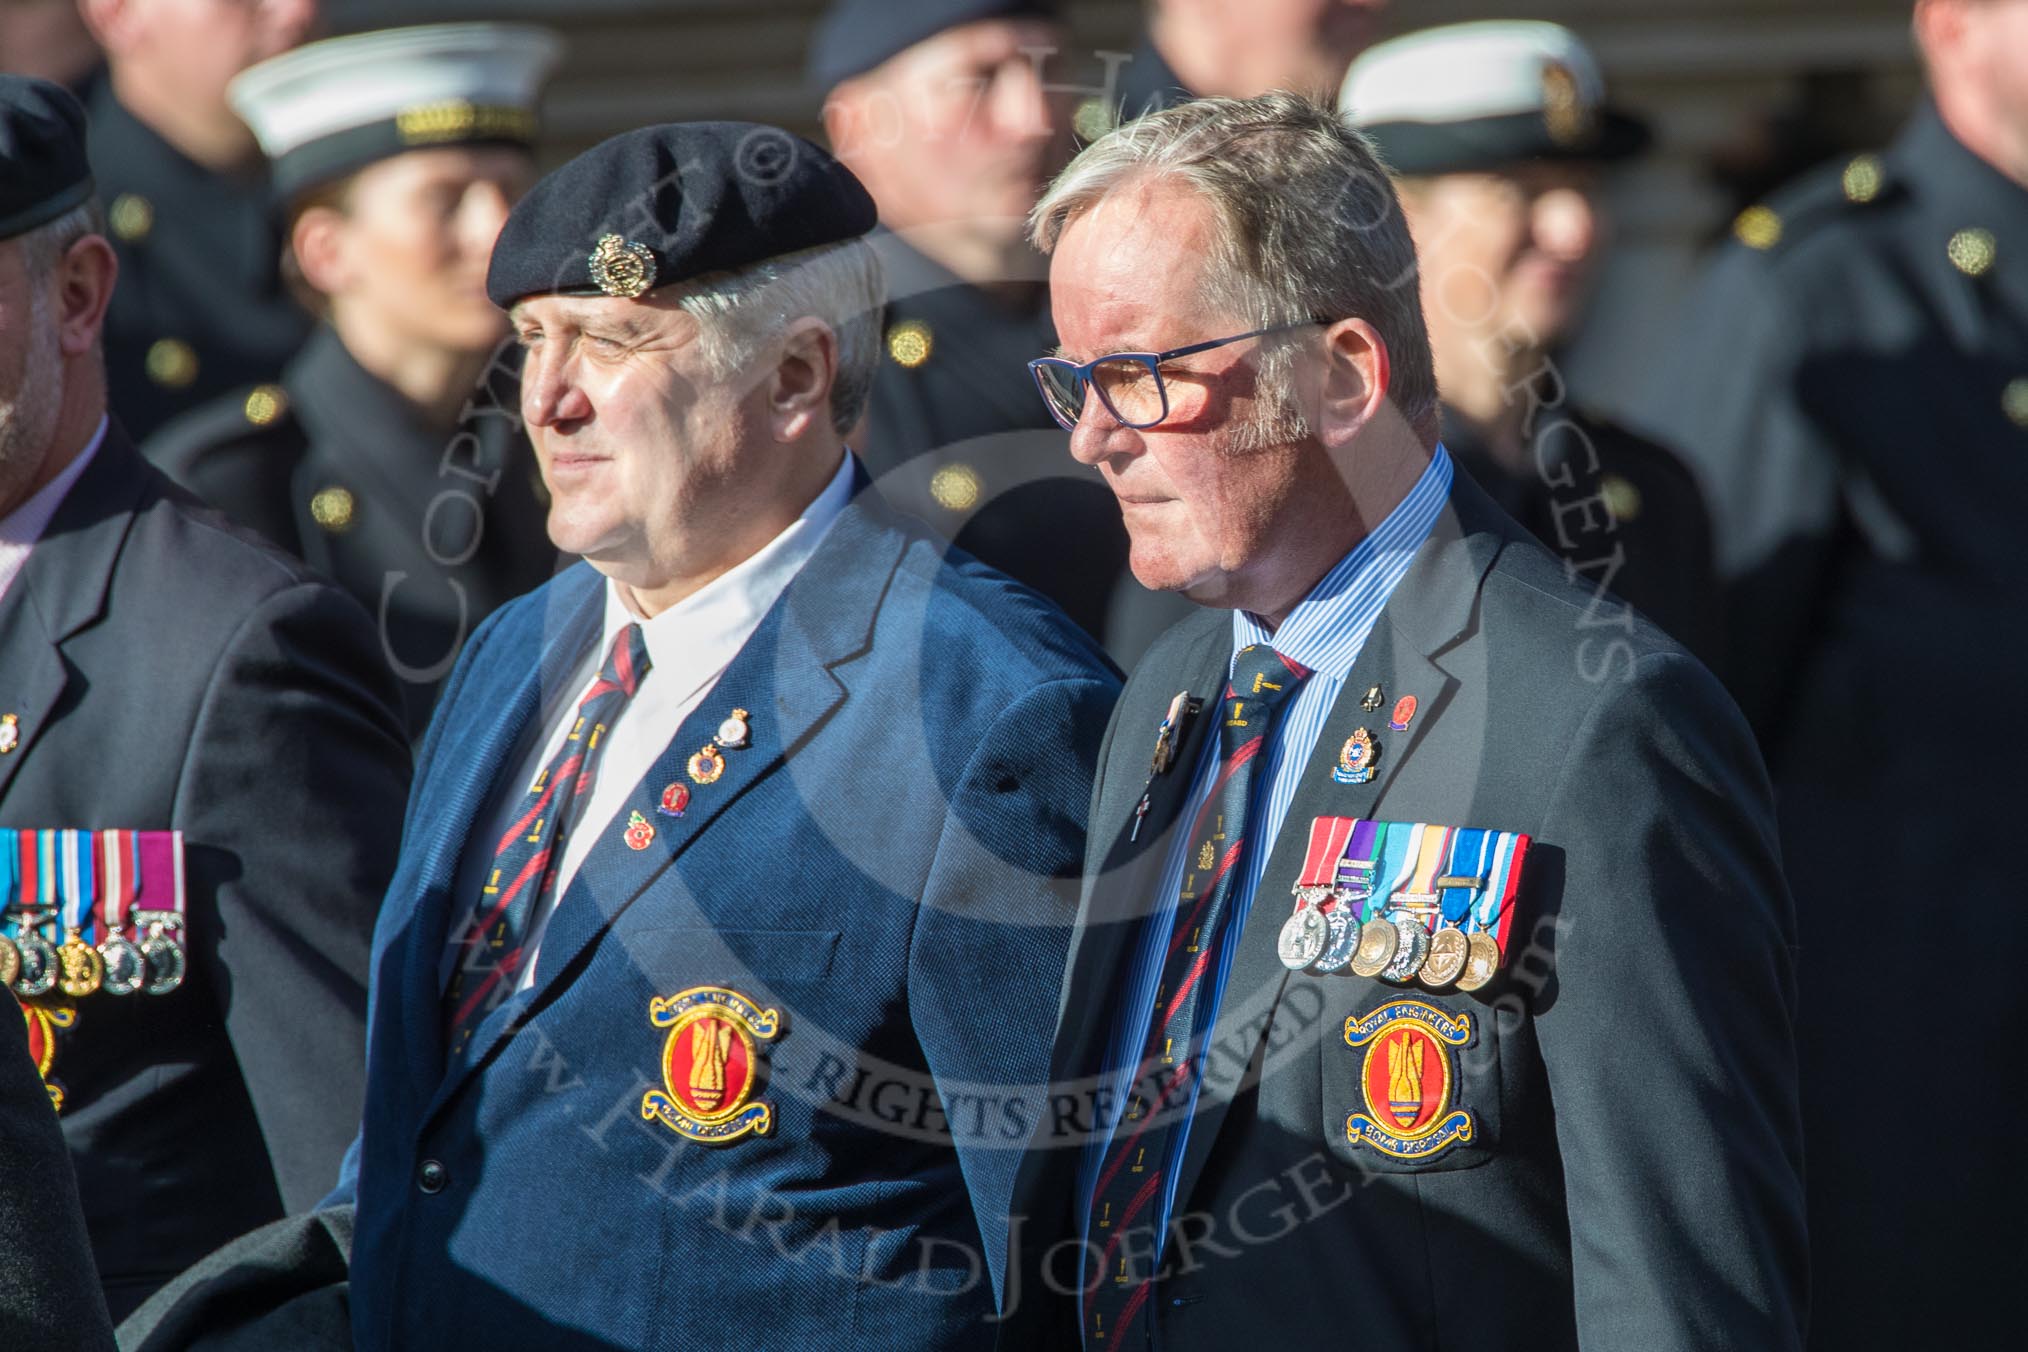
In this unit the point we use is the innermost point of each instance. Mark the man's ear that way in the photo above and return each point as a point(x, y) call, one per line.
point(799, 392)
point(1356, 373)
point(84, 288)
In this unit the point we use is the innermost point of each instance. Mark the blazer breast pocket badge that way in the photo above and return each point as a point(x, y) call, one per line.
point(711, 1065)
point(1408, 1082)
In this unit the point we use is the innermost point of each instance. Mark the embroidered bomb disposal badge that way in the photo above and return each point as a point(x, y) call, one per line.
point(711, 1065)
point(1408, 1080)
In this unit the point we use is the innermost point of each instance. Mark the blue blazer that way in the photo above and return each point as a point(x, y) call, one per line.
point(890, 867)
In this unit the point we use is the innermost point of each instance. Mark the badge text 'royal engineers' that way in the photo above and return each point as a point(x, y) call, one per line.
point(711, 1065)
point(1407, 1080)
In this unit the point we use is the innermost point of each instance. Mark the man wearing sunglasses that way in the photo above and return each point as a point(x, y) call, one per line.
point(1396, 732)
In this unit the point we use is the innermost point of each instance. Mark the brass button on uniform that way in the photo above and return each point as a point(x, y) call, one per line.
point(334, 508)
point(1093, 119)
point(1972, 251)
point(1862, 178)
point(1622, 499)
point(265, 404)
point(1758, 228)
point(956, 487)
point(909, 343)
point(2014, 400)
point(171, 363)
point(131, 216)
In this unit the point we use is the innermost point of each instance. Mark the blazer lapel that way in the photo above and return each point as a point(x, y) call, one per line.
point(786, 678)
point(1429, 610)
point(62, 590)
point(486, 744)
point(1118, 895)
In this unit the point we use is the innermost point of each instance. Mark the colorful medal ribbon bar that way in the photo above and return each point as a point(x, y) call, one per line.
point(48, 879)
point(1494, 914)
point(1328, 837)
point(119, 887)
point(1403, 848)
point(10, 873)
point(83, 970)
point(78, 883)
point(160, 906)
point(120, 881)
point(1432, 849)
point(1471, 856)
point(1359, 869)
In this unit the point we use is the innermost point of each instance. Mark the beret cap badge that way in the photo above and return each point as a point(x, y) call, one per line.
point(622, 268)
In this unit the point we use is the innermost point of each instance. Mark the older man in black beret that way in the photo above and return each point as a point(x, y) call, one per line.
point(713, 993)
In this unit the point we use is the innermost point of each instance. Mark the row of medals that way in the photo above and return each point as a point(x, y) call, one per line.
point(31, 965)
point(1395, 946)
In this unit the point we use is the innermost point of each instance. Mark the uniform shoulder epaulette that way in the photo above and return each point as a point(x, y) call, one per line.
point(1820, 198)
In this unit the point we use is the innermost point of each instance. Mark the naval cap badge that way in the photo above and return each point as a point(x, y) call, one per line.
point(622, 268)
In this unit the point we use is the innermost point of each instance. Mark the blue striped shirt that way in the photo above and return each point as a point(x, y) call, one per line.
point(1324, 633)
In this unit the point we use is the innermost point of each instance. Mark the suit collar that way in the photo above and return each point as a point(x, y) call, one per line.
point(790, 676)
point(62, 588)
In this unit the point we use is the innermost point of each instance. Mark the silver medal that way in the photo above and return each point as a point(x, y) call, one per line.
point(165, 960)
point(1408, 958)
point(1304, 934)
point(126, 966)
point(39, 965)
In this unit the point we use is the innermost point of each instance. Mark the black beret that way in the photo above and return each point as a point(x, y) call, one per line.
point(43, 169)
point(664, 204)
point(857, 35)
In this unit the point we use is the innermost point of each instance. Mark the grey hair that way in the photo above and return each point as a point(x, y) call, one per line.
point(42, 246)
point(1313, 229)
point(843, 284)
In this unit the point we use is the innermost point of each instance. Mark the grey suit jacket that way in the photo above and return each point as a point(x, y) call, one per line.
point(1634, 1180)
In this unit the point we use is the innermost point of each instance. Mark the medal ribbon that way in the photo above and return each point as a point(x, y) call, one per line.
point(1359, 870)
point(1470, 856)
point(1404, 847)
point(10, 872)
point(1328, 836)
point(79, 882)
point(120, 880)
point(161, 872)
point(48, 878)
point(1432, 848)
point(1495, 911)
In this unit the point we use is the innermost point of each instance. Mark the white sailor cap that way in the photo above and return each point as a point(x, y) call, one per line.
point(332, 107)
point(1473, 96)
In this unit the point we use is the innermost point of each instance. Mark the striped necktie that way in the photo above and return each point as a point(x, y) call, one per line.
point(523, 874)
point(1125, 1206)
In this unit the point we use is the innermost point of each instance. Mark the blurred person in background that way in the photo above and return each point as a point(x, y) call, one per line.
point(1243, 48)
point(947, 111)
point(47, 39)
point(1497, 134)
point(1851, 373)
point(390, 456)
point(217, 719)
point(201, 307)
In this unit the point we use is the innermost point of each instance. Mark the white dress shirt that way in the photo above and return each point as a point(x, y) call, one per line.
point(22, 527)
point(689, 647)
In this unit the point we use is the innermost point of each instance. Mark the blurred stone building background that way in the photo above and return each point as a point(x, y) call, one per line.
point(1742, 94)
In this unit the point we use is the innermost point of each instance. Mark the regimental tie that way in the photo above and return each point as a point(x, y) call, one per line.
point(1126, 1203)
point(494, 949)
